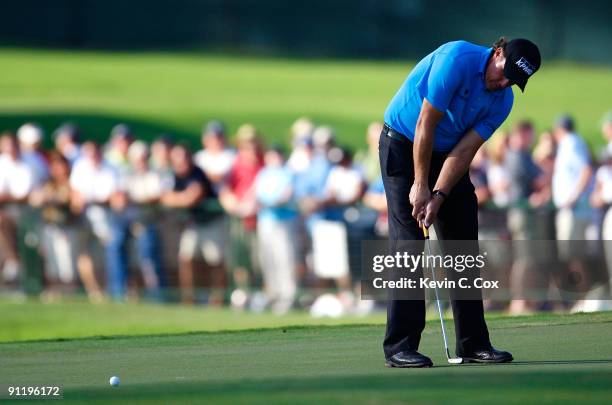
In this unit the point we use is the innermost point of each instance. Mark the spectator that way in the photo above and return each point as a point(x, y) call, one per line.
point(544, 156)
point(191, 191)
point(67, 138)
point(541, 201)
point(276, 230)
point(93, 183)
point(16, 183)
point(571, 186)
point(345, 187)
point(301, 140)
point(490, 219)
point(368, 160)
point(160, 159)
point(522, 175)
point(601, 199)
point(497, 175)
point(492, 223)
point(375, 199)
point(62, 239)
point(30, 144)
point(238, 198)
point(135, 212)
point(216, 158)
point(117, 259)
point(117, 152)
point(478, 176)
point(310, 190)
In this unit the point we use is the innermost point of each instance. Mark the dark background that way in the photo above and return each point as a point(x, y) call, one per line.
point(564, 29)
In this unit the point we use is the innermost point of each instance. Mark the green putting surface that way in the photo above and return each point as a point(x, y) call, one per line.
point(558, 358)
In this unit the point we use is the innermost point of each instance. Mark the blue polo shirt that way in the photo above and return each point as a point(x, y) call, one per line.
point(452, 78)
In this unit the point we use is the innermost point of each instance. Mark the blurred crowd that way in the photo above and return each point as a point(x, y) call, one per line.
point(252, 225)
point(552, 189)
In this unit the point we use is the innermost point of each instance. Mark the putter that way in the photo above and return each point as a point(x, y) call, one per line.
point(451, 360)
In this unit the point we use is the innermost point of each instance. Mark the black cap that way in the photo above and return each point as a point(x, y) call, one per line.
point(566, 122)
point(164, 138)
point(70, 129)
point(121, 131)
point(215, 127)
point(522, 61)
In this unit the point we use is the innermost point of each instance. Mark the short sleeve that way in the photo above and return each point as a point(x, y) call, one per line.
point(445, 77)
point(497, 115)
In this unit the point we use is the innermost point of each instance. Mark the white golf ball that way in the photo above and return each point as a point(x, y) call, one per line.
point(114, 381)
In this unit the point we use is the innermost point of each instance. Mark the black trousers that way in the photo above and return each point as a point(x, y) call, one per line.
point(457, 220)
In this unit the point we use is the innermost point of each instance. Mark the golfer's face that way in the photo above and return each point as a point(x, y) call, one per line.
point(495, 79)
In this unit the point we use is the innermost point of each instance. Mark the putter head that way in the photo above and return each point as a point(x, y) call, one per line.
point(455, 360)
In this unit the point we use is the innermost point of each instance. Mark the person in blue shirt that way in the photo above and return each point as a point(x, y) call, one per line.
point(450, 104)
point(277, 229)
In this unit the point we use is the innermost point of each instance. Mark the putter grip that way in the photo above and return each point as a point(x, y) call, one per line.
point(425, 232)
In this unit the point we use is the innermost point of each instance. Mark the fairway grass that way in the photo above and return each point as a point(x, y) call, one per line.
point(75, 318)
point(558, 359)
point(177, 92)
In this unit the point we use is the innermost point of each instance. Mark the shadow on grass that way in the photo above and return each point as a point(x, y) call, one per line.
point(94, 126)
point(531, 363)
point(430, 384)
point(544, 362)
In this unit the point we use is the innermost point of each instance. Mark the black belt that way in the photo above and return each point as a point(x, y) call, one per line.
point(398, 136)
point(393, 134)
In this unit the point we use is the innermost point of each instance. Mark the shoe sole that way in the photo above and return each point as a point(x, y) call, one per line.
point(391, 365)
point(499, 361)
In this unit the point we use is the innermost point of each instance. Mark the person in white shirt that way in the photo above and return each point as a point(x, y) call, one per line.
point(571, 186)
point(16, 183)
point(93, 184)
point(63, 248)
point(93, 181)
point(30, 138)
point(572, 182)
point(216, 158)
point(345, 186)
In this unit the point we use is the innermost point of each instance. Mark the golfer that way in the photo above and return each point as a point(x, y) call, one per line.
point(450, 104)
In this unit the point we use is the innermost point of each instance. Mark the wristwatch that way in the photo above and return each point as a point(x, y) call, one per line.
point(440, 193)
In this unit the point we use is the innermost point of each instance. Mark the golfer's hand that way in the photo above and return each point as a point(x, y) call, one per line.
point(419, 198)
point(431, 210)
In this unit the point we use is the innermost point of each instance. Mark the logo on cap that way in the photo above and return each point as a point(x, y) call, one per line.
point(525, 66)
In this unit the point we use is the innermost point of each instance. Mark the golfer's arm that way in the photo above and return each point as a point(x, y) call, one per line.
point(458, 161)
point(429, 118)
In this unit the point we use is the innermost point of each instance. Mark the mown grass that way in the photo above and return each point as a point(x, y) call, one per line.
point(558, 359)
point(176, 93)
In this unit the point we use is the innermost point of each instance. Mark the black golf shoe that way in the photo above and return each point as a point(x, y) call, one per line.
point(488, 355)
point(409, 359)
